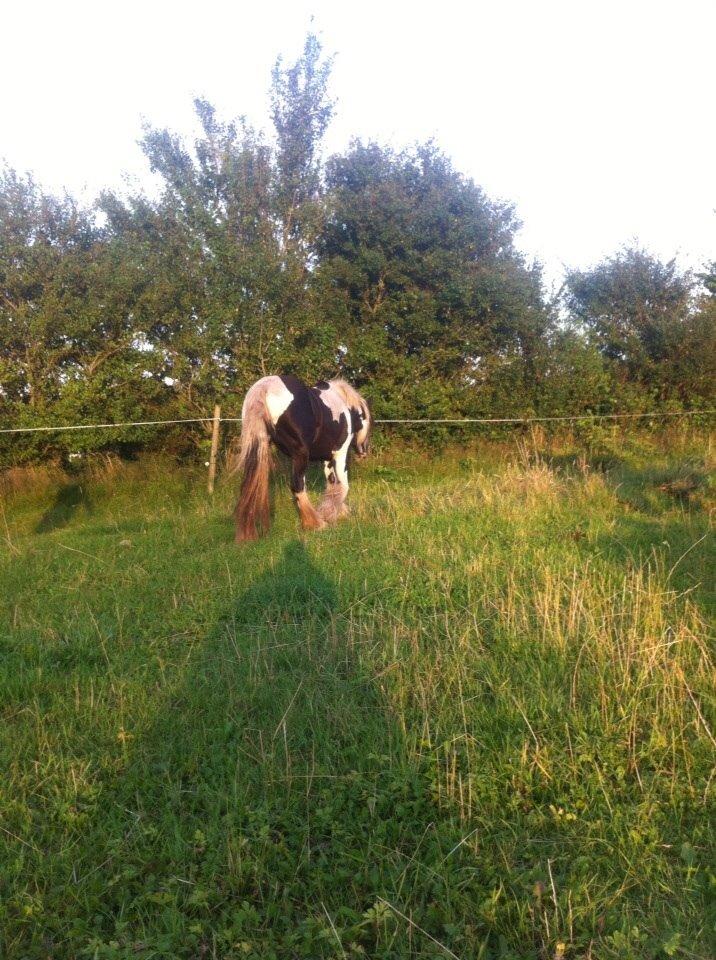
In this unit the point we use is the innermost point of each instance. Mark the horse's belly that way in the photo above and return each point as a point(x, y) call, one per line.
point(324, 449)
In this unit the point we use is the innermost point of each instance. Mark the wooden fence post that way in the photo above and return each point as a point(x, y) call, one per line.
point(214, 448)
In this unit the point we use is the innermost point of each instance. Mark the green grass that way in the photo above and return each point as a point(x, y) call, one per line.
point(474, 720)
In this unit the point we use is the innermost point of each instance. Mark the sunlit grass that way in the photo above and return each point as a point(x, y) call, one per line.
point(476, 719)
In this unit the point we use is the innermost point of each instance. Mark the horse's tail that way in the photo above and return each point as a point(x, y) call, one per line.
point(252, 512)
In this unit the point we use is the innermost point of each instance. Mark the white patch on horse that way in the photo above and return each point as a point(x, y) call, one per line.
point(339, 458)
point(335, 403)
point(278, 398)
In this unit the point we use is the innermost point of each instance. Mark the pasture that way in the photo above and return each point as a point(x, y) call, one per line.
point(474, 720)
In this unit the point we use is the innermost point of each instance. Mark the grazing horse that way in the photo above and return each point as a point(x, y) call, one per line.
point(306, 423)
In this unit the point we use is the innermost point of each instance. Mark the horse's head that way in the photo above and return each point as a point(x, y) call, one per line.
point(361, 420)
point(361, 424)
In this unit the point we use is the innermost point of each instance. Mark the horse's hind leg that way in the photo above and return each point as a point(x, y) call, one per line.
point(310, 520)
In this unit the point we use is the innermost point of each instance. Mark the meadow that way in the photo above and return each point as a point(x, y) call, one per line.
point(474, 720)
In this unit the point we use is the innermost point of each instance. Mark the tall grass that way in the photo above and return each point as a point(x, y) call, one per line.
point(474, 720)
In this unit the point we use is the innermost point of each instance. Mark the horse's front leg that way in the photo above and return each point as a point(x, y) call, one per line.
point(310, 520)
point(340, 467)
point(333, 507)
point(329, 509)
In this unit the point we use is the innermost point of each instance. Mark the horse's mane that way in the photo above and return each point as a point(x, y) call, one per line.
point(350, 395)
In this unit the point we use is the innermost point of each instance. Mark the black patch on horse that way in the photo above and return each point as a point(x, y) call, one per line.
point(307, 429)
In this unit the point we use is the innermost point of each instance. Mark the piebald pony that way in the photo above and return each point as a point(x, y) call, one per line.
point(320, 423)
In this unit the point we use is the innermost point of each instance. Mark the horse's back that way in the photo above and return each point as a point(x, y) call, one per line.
point(318, 417)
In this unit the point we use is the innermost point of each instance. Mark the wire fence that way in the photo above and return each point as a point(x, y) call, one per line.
point(417, 420)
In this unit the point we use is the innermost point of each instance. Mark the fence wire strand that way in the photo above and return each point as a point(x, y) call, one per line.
point(438, 420)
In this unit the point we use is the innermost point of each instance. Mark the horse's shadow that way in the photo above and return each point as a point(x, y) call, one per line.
point(68, 500)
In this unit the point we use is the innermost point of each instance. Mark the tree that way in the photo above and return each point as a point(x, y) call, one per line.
point(697, 358)
point(435, 307)
point(215, 256)
point(301, 112)
point(42, 241)
point(639, 312)
point(232, 243)
point(70, 343)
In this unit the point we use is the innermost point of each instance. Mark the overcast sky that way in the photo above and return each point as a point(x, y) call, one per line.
point(595, 118)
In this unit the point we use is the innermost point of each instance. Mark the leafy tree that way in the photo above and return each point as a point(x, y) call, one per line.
point(231, 243)
point(639, 312)
point(697, 357)
point(301, 111)
point(215, 259)
point(574, 377)
point(68, 327)
point(257, 257)
point(42, 242)
point(435, 307)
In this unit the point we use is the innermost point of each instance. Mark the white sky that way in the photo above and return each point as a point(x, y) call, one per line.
point(595, 118)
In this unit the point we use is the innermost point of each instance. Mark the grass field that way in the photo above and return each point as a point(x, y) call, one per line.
point(475, 720)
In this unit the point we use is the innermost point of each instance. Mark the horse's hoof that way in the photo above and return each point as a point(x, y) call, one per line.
point(327, 513)
point(314, 524)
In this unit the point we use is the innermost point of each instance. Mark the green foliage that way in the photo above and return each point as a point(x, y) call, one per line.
point(258, 257)
point(70, 344)
point(301, 112)
point(641, 315)
point(575, 379)
point(437, 312)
